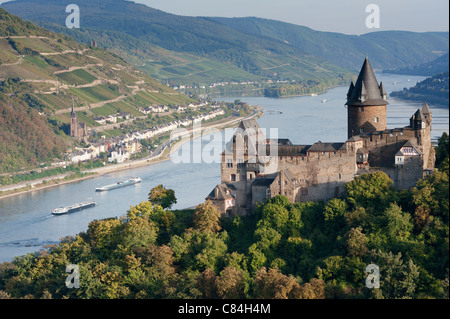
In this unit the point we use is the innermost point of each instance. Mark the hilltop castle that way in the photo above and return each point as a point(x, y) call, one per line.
point(320, 171)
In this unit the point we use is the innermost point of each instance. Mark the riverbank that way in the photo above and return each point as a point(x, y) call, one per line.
point(53, 181)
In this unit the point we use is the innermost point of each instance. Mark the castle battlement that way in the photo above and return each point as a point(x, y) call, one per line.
point(321, 170)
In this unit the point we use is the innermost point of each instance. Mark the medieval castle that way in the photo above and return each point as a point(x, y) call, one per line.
point(320, 171)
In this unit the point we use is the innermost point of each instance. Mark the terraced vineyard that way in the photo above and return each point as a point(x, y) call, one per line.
point(54, 70)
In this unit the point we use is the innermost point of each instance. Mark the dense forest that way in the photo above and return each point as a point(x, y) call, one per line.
point(303, 250)
point(434, 90)
point(438, 65)
point(26, 138)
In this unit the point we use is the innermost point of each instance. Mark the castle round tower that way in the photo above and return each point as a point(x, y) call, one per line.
point(366, 103)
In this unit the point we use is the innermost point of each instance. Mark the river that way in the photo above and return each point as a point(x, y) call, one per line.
point(26, 222)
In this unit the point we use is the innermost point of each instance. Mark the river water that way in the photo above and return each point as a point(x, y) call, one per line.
point(26, 222)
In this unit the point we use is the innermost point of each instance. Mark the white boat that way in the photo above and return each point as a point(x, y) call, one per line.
point(324, 100)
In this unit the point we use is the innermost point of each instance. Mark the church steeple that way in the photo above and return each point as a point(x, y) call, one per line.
point(73, 114)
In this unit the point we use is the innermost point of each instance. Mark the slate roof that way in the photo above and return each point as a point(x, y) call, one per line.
point(366, 91)
point(263, 182)
point(325, 147)
point(426, 108)
point(280, 141)
point(247, 124)
point(222, 192)
point(291, 150)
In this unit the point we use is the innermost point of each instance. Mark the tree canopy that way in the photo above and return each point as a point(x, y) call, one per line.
point(282, 250)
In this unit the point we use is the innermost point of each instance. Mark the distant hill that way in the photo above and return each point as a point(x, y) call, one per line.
point(182, 49)
point(386, 49)
point(41, 72)
point(439, 65)
point(201, 46)
point(433, 90)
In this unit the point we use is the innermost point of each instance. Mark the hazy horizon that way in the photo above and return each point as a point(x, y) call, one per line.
point(348, 16)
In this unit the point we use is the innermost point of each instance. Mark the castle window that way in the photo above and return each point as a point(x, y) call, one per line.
point(233, 177)
point(361, 109)
point(376, 119)
point(340, 176)
point(251, 176)
point(361, 130)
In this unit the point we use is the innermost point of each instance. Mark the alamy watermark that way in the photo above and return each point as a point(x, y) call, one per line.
point(373, 19)
point(373, 279)
point(73, 19)
point(250, 145)
point(73, 280)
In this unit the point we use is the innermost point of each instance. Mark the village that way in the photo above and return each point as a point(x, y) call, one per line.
point(120, 148)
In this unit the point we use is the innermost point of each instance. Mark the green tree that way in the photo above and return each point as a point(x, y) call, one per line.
point(161, 196)
point(374, 190)
point(442, 149)
point(356, 242)
point(139, 232)
point(272, 284)
point(397, 278)
point(398, 223)
point(207, 217)
point(231, 284)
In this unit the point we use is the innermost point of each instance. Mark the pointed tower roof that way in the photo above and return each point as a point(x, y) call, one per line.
point(426, 108)
point(418, 116)
point(366, 90)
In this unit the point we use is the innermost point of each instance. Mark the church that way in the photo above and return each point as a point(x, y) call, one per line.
point(77, 129)
point(320, 171)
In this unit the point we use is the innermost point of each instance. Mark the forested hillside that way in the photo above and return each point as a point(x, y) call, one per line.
point(438, 65)
point(306, 250)
point(25, 136)
point(386, 49)
point(433, 90)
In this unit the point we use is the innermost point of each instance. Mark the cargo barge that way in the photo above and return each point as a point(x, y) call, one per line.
point(131, 181)
point(73, 208)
